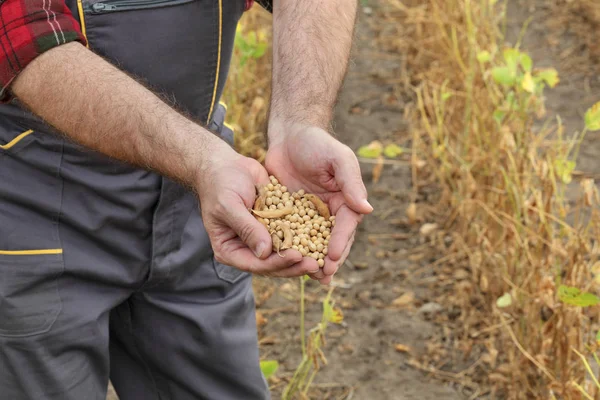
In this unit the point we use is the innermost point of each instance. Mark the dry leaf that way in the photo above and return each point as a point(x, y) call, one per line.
point(404, 300)
point(402, 348)
point(428, 229)
point(420, 164)
point(411, 213)
point(377, 169)
point(260, 319)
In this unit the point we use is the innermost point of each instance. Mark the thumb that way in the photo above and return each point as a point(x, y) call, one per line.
point(254, 234)
point(349, 179)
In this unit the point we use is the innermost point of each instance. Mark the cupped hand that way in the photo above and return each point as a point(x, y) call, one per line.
point(307, 157)
point(227, 189)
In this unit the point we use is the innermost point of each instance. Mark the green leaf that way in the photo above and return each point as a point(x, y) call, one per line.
point(503, 75)
point(269, 368)
point(372, 150)
point(549, 75)
point(592, 117)
point(598, 336)
point(331, 314)
point(564, 169)
point(306, 278)
point(526, 62)
point(499, 116)
point(446, 96)
point(527, 83)
point(512, 56)
point(575, 297)
point(260, 50)
point(484, 56)
point(504, 301)
point(392, 150)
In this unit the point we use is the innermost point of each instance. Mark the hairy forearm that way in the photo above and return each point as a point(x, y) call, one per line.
point(311, 47)
point(102, 108)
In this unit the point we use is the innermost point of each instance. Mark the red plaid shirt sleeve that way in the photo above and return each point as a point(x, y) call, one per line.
point(27, 29)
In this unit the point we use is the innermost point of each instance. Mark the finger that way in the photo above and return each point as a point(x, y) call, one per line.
point(236, 254)
point(254, 234)
point(317, 275)
point(326, 281)
point(304, 267)
point(349, 178)
point(331, 267)
point(346, 222)
point(260, 175)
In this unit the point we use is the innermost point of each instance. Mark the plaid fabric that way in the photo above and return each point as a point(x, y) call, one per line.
point(27, 29)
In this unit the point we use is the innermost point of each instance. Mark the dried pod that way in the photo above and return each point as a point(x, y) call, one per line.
point(319, 205)
point(288, 237)
point(274, 213)
point(260, 201)
point(276, 243)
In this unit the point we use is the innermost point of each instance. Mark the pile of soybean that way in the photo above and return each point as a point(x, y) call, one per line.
point(298, 220)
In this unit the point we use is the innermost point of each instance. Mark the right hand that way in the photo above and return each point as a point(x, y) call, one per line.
point(226, 187)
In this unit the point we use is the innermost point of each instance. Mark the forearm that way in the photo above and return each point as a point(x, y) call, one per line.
point(104, 109)
point(311, 47)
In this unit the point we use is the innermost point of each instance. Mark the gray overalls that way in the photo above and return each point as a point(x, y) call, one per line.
point(98, 257)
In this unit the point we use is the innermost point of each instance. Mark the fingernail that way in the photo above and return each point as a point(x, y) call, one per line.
point(367, 205)
point(260, 249)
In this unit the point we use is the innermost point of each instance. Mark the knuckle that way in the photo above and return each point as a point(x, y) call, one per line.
point(245, 231)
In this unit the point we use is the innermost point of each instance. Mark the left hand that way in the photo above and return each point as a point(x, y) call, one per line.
point(307, 157)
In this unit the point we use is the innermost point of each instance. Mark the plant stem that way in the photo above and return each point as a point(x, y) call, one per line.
point(302, 331)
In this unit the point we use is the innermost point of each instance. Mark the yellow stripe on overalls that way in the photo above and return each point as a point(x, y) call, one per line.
point(30, 252)
point(82, 21)
point(214, 97)
point(16, 140)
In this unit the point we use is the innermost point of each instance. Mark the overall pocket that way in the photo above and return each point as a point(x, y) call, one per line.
point(181, 48)
point(30, 249)
point(29, 298)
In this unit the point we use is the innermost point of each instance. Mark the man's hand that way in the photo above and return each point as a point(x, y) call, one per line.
point(307, 157)
point(227, 189)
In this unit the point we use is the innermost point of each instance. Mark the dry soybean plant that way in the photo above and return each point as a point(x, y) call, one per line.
point(503, 170)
